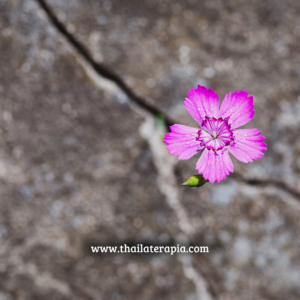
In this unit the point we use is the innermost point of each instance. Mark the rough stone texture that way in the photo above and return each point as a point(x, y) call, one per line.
point(75, 172)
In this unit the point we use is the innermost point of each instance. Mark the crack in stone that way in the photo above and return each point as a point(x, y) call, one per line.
point(267, 182)
point(108, 74)
point(167, 185)
point(165, 166)
point(100, 68)
point(107, 80)
point(166, 182)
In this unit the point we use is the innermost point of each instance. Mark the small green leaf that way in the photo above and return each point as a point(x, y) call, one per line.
point(195, 181)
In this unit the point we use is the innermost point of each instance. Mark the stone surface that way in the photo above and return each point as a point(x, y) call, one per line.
point(75, 171)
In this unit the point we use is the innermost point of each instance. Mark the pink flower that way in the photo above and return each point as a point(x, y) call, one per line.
point(217, 135)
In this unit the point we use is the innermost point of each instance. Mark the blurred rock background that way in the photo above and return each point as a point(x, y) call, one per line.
point(80, 166)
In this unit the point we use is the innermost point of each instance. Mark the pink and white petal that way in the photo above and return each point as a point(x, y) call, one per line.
point(214, 166)
point(224, 165)
point(239, 154)
point(204, 137)
point(250, 134)
point(202, 102)
point(189, 152)
point(228, 165)
point(220, 172)
point(238, 107)
point(192, 109)
point(248, 145)
point(210, 171)
point(182, 141)
point(202, 161)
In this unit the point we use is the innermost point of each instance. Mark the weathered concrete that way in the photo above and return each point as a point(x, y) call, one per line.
point(77, 169)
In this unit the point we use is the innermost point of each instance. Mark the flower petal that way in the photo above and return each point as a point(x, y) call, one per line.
point(228, 165)
point(248, 146)
point(202, 161)
point(214, 166)
point(238, 107)
point(182, 141)
point(201, 103)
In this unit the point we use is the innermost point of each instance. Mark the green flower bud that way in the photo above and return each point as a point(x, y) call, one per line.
point(195, 181)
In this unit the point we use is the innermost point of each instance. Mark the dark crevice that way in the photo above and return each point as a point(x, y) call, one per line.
point(105, 72)
point(267, 182)
point(101, 69)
